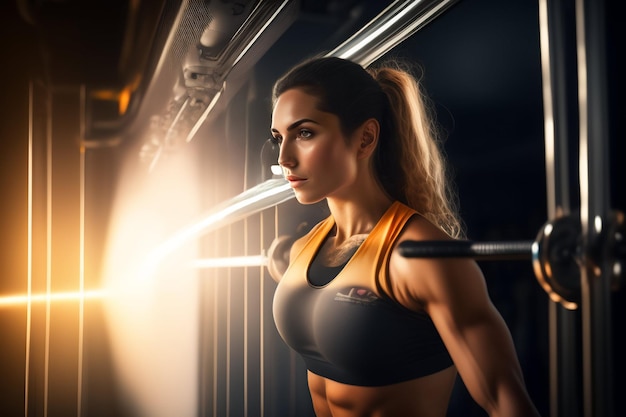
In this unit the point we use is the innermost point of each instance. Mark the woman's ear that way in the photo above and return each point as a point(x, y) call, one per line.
point(368, 137)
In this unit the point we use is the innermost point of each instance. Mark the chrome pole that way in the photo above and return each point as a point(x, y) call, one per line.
point(564, 324)
point(594, 207)
point(396, 23)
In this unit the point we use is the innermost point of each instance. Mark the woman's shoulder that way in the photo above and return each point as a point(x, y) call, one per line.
point(420, 228)
point(424, 276)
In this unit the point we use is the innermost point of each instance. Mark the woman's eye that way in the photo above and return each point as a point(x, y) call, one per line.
point(276, 140)
point(305, 133)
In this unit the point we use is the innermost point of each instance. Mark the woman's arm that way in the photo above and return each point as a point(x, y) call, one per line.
point(454, 294)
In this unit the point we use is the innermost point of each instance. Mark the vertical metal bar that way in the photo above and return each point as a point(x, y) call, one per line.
point(48, 250)
point(81, 256)
point(246, 162)
point(215, 335)
point(246, 303)
point(229, 295)
point(262, 322)
point(30, 248)
point(551, 195)
point(563, 323)
point(594, 207)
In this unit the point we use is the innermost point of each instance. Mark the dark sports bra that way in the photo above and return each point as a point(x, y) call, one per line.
point(352, 330)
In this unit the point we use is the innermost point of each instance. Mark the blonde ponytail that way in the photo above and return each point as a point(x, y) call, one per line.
point(426, 186)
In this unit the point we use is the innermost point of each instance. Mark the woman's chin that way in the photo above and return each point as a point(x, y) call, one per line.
point(307, 199)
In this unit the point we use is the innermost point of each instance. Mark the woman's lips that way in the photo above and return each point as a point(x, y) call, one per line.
point(295, 181)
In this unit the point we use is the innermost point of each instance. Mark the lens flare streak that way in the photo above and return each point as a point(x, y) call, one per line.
point(11, 300)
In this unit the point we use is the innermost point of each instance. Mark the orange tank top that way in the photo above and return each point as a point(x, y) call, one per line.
point(352, 330)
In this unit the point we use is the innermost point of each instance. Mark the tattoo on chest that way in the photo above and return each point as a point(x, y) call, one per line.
point(335, 256)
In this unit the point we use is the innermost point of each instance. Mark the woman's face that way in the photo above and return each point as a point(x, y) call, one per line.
point(315, 156)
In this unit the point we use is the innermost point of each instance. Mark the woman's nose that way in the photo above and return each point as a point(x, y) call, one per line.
point(285, 156)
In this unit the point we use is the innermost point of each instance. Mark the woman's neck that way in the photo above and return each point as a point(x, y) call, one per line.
point(357, 216)
point(357, 208)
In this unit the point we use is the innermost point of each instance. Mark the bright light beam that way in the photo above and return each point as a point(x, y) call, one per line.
point(10, 300)
point(258, 198)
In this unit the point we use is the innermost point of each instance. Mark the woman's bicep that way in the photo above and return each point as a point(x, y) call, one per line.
point(476, 336)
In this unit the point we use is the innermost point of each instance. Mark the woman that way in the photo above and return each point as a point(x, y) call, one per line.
point(381, 335)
